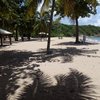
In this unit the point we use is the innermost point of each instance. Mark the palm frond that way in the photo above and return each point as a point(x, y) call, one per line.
point(45, 6)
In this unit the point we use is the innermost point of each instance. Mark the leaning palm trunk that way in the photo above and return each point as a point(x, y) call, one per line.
point(50, 27)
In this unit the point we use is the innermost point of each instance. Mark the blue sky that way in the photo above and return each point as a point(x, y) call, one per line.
point(92, 20)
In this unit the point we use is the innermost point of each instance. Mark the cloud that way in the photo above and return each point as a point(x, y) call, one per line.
point(92, 20)
point(98, 1)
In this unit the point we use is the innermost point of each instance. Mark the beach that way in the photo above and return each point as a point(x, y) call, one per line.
point(65, 56)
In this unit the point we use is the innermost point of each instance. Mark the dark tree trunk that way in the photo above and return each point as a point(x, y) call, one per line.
point(22, 38)
point(50, 27)
point(77, 31)
point(1, 40)
point(3, 23)
point(16, 35)
point(28, 37)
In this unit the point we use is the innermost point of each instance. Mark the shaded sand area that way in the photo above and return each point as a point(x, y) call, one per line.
point(18, 61)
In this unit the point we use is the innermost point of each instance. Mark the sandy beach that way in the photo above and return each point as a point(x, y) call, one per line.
point(65, 55)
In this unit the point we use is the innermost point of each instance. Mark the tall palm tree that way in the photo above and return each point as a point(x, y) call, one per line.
point(32, 10)
point(76, 8)
point(50, 27)
point(45, 5)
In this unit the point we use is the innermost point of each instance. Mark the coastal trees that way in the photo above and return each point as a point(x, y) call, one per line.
point(75, 9)
point(5, 10)
point(22, 11)
point(31, 6)
point(9, 14)
point(50, 27)
point(41, 22)
point(45, 5)
point(17, 13)
point(8, 8)
point(69, 30)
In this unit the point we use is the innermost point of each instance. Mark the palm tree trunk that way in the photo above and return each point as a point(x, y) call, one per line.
point(50, 27)
point(77, 31)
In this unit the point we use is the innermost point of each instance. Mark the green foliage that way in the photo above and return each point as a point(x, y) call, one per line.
point(69, 30)
point(41, 22)
point(31, 6)
point(76, 8)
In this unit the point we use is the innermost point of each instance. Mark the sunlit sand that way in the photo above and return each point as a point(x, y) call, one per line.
point(65, 55)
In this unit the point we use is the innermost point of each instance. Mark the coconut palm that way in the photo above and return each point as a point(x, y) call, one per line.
point(31, 6)
point(41, 22)
point(32, 10)
point(75, 9)
point(50, 26)
point(46, 5)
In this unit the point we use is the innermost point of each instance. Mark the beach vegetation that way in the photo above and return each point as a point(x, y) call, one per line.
point(75, 9)
point(69, 30)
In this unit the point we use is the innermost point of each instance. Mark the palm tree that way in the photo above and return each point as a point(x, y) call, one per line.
point(32, 9)
point(46, 5)
point(41, 22)
point(31, 6)
point(75, 9)
point(9, 13)
point(50, 27)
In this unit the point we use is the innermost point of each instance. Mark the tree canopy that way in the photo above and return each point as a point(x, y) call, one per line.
point(75, 9)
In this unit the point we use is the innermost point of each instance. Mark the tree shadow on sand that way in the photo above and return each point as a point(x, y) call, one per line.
point(14, 72)
point(72, 86)
point(62, 55)
point(76, 44)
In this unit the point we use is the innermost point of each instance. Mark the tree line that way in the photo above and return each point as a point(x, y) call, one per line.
point(69, 30)
point(20, 16)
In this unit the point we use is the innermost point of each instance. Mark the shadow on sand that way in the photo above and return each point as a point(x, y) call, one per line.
point(31, 40)
point(76, 44)
point(66, 54)
point(16, 73)
point(13, 69)
point(72, 86)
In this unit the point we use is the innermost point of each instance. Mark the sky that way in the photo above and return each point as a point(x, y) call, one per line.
point(92, 20)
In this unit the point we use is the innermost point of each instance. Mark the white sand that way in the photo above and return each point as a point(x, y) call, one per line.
point(88, 63)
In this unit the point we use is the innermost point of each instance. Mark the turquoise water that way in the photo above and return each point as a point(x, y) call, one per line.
point(94, 38)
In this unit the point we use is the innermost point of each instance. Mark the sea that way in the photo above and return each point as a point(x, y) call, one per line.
point(93, 39)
